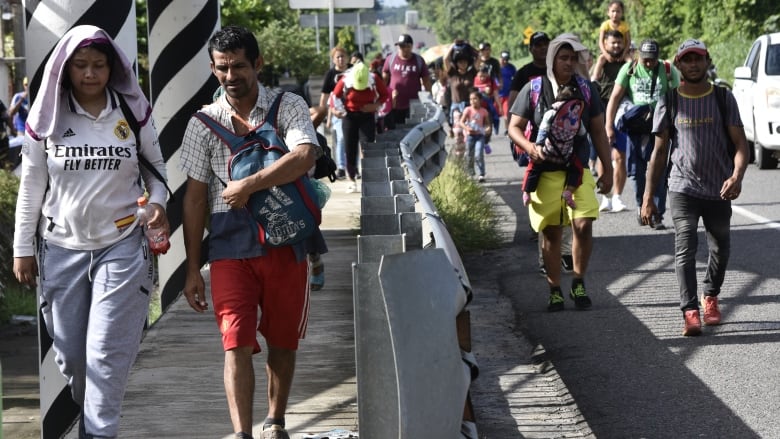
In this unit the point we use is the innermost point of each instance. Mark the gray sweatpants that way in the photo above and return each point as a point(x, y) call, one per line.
point(94, 304)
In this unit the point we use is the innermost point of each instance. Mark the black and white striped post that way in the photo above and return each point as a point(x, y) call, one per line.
point(181, 83)
point(45, 22)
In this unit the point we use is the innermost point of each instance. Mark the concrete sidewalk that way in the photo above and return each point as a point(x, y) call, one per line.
point(175, 388)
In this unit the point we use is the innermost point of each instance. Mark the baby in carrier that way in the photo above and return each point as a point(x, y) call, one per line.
point(561, 124)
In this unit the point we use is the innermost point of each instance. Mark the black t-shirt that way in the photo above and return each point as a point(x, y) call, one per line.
point(525, 74)
point(332, 76)
point(607, 81)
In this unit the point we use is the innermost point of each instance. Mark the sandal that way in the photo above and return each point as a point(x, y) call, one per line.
point(275, 431)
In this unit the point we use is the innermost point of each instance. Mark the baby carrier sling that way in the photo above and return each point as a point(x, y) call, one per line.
point(285, 214)
point(541, 90)
point(564, 126)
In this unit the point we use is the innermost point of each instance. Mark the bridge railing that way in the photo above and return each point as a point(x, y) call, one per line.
point(414, 365)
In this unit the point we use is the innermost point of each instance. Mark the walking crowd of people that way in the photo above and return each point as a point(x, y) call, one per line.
point(581, 126)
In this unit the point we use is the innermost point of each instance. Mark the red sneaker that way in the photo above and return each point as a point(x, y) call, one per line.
point(692, 323)
point(711, 311)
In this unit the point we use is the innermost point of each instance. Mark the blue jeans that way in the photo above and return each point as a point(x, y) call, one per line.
point(475, 147)
point(637, 160)
point(716, 215)
point(339, 150)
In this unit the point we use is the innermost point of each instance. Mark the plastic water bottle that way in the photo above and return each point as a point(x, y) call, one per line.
point(158, 238)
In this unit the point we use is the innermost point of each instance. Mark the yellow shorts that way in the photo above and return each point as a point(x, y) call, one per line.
point(547, 208)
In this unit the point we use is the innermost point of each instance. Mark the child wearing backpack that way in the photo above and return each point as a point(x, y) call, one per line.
point(561, 124)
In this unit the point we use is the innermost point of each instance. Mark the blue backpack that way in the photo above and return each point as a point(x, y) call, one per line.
point(285, 214)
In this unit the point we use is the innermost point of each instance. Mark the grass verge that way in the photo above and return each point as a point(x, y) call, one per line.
point(466, 209)
point(17, 300)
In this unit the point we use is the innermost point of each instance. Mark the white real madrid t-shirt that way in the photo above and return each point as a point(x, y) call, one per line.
point(87, 172)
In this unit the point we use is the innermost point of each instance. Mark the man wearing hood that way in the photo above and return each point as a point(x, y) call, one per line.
point(567, 61)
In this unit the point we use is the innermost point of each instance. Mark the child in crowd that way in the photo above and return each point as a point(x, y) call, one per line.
point(615, 21)
point(560, 126)
point(488, 87)
point(475, 122)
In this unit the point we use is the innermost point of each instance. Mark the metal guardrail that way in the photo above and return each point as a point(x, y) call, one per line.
point(414, 367)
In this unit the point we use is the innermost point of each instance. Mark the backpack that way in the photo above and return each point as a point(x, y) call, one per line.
point(671, 100)
point(285, 214)
point(325, 166)
point(638, 119)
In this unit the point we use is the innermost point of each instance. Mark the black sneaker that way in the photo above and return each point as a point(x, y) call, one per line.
point(580, 297)
point(542, 271)
point(341, 174)
point(567, 263)
point(556, 301)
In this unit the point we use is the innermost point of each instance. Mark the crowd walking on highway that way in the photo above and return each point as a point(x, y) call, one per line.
point(622, 88)
point(580, 125)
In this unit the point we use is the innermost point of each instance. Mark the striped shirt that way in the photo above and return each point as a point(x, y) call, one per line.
point(700, 157)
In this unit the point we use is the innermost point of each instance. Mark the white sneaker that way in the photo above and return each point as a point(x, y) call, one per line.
point(617, 204)
point(606, 204)
point(352, 188)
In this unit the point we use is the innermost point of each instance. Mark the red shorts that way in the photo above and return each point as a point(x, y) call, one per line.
point(275, 282)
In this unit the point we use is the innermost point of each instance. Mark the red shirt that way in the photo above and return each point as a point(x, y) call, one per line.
point(356, 99)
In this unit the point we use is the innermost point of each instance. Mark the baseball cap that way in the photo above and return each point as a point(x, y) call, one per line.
point(648, 49)
point(505, 54)
point(539, 37)
point(484, 45)
point(691, 45)
point(404, 39)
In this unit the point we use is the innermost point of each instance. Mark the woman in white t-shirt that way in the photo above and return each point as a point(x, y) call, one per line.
point(76, 225)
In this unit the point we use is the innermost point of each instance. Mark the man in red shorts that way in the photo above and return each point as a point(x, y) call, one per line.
point(244, 274)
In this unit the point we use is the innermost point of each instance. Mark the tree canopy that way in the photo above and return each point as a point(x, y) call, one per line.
point(728, 27)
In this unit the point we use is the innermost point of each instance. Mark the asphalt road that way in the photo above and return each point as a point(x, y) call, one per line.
point(625, 362)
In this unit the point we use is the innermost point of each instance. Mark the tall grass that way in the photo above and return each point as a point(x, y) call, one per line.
point(17, 300)
point(467, 211)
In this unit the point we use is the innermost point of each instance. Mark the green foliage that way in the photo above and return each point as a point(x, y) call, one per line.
point(17, 301)
point(728, 27)
point(345, 37)
point(9, 187)
point(257, 14)
point(466, 210)
point(290, 49)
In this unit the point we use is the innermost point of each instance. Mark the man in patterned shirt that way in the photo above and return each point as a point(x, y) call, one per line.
point(244, 274)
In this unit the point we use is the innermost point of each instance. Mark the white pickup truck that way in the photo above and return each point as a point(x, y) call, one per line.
point(757, 91)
